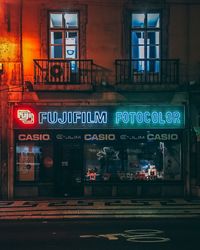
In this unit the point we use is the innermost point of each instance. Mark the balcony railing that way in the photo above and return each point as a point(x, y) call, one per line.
point(150, 71)
point(62, 71)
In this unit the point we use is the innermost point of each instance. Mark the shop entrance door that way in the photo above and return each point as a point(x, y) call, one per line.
point(70, 166)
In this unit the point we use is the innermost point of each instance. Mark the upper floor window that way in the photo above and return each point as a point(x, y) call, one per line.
point(145, 41)
point(64, 35)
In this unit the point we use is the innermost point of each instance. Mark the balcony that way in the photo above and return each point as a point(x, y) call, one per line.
point(62, 74)
point(147, 73)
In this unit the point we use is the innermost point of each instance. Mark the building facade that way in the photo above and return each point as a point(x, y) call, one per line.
point(99, 98)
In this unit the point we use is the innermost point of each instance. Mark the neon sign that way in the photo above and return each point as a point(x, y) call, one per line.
point(147, 117)
point(128, 117)
point(74, 117)
point(25, 116)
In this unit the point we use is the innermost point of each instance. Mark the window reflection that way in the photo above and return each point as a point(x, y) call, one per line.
point(56, 37)
point(56, 20)
point(138, 20)
point(153, 20)
point(71, 20)
point(56, 51)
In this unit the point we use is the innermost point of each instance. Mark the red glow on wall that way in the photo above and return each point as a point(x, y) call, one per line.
point(25, 117)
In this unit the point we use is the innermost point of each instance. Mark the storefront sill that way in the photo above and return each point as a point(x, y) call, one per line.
point(133, 183)
point(35, 184)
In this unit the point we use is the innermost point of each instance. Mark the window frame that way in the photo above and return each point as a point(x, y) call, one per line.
point(145, 30)
point(63, 30)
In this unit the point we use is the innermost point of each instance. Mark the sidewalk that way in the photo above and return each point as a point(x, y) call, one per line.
point(67, 208)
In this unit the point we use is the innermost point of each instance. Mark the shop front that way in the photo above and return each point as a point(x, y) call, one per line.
point(99, 151)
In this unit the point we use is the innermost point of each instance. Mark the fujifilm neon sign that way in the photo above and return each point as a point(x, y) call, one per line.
point(130, 117)
point(75, 117)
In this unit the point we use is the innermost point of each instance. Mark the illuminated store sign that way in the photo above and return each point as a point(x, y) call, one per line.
point(151, 136)
point(147, 117)
point(34, 137)
point(25, 116)
point(128, 117)
point(74, 117)
point(100, 135)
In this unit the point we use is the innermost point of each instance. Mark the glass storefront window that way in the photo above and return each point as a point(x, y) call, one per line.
point(34, 162)
point(126, 157)
point(28, 159)
point(153, 161)
point(103, 162)
point(146, 161)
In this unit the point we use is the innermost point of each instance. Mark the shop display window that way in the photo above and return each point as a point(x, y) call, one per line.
point(149, 161)
point(33, 162)
point(153, 161)
point(103, 162)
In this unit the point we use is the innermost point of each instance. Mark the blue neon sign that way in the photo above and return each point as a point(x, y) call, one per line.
point(73, 117)
point(148, 118)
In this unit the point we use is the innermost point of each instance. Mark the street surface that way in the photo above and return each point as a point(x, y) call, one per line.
point(101, 234)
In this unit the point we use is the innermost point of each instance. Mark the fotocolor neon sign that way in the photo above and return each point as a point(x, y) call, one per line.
point(129, 117)
point(147, 117)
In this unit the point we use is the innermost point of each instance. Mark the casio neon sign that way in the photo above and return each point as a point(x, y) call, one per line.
point(99, 137)
point(34, 137)
point(163, 137)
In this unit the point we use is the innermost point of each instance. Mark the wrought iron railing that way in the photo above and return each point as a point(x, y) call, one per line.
point(62, 71)
point(140, 71)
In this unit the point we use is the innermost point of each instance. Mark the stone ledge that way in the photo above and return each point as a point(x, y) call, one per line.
point(66, 87)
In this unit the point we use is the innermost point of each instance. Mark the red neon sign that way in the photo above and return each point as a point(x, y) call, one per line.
point(25, 117)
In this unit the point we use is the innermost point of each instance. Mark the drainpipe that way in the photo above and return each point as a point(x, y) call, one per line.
point(11, 150)
point(189, 124)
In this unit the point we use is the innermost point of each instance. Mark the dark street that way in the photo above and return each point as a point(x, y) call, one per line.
point(168, 234)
